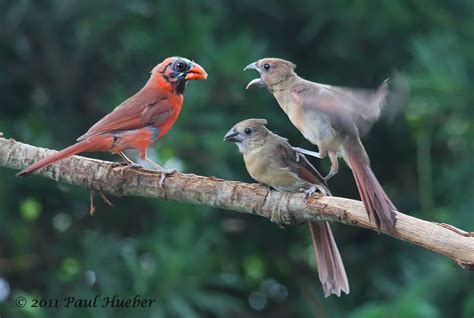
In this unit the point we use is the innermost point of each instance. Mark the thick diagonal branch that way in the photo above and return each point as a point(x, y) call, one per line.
point(255, 199)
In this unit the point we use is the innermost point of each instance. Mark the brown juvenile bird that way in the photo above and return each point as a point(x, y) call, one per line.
point(333, 118)
point(271, 160)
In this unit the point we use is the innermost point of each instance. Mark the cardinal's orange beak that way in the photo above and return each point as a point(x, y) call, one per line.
point(196, 72)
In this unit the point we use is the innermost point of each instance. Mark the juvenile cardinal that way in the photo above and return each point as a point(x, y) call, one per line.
point(333, 118)
point(139, 121)
point(271, 160)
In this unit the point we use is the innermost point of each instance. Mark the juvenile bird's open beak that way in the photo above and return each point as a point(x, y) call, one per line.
point(255, 82)
point(232, 136)
point(196, 72)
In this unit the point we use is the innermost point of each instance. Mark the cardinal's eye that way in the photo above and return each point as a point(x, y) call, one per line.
point(180, 66)
point(266, 66)
point(248, 131)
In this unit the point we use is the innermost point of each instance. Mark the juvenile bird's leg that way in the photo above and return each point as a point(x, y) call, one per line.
point(334, 166)
point(315, 188)
point(321, 154)
point(164, 172)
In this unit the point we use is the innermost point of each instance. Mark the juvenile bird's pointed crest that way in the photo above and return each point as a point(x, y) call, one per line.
point(259, 121)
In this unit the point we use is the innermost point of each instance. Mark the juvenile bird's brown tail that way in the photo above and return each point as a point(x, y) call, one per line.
point(328, 260)
point(81, 146)
point(377, 204)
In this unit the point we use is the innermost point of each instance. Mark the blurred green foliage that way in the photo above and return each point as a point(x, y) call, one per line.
point(67, 63)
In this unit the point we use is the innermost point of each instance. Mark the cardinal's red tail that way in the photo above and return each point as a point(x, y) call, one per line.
point(377, 204)
point(81, 146)
point(330, 267)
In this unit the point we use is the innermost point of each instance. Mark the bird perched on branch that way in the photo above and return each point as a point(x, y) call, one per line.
point(271, 160)
point(334, 119)
point(139, 121)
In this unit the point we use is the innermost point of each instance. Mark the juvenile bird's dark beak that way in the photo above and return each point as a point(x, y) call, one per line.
point(196, 72)
point(251, 66)
point(232, 136)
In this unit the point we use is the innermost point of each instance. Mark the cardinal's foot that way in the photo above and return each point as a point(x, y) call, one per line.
point(164, 174)
point(124, 166)
point(118, 164)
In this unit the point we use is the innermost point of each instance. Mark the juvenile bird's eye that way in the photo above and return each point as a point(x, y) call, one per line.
point(248, 131)
point(180, 66)
point(266, 66)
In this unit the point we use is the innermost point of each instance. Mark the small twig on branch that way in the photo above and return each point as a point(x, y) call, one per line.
point(91, 203)
point(92, 208)
point(97, 175)
point(105, 199)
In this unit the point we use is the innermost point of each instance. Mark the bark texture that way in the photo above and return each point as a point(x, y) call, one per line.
point(282, 208)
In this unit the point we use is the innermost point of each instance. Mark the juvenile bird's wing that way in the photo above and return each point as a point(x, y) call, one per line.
point(299, 165)
point(351, 111)
point(146, 108)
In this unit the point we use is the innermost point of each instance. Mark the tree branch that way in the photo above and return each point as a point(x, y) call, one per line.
point(282, 208)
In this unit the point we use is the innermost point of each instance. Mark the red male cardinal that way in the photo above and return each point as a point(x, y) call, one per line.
point(333, 118)
point(139, 121)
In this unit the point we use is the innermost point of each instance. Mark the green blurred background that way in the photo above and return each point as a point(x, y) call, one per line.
point(65, 64)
